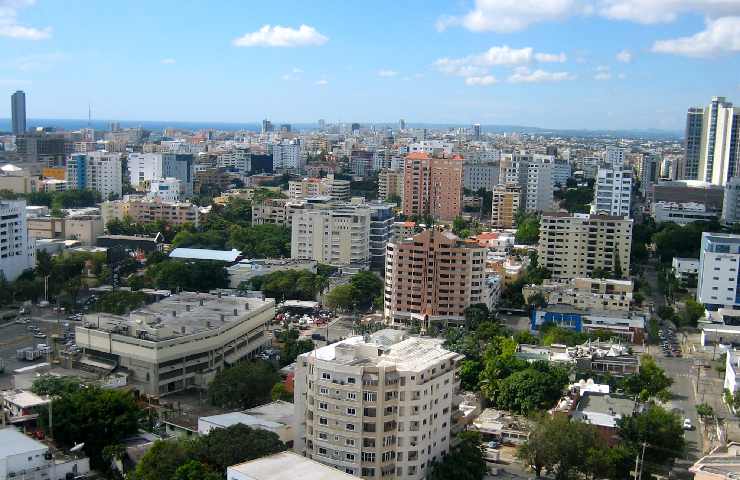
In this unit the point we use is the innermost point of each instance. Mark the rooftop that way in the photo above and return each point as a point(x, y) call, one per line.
point(229, 256)
point(13, 442)
point(288, 465)
point(604, 409)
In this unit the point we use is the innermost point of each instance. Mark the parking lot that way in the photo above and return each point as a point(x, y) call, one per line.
point(14, 336)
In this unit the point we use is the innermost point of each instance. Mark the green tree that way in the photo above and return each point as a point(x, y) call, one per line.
point(691, 313)
point(120, 302)
point(704, 410)
point(243, 385)
point(465, 461)
point(659, 429)
point(162, 460)
point(279, 392)
point(342, 297)
point(366, 286)
point(54, 386)
point(195, 470)
point(292, 346)
point(470, 371)
point(531, 389)
point(649, 382)
point(528, 229)
point(223, 447)
point(475, 315)
point(93, 416)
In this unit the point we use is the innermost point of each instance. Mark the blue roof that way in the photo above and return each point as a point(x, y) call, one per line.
point(205, 254)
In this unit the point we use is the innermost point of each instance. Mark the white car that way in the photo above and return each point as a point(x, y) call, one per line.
point(687, 424)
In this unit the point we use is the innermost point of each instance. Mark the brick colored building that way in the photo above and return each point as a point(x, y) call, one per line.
point(432, 185)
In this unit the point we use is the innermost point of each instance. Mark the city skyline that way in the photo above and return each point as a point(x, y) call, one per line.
point(558, 64)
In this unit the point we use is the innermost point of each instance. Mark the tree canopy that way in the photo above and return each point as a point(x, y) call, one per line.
point(243, 385)
point(465, 460)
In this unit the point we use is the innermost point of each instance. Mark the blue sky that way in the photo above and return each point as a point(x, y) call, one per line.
point(547, 63)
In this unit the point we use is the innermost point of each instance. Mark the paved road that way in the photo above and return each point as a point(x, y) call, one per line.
point(14, 336)
point(683, 373)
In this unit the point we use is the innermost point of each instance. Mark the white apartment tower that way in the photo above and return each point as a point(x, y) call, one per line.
point(99, 171)
point(613, 191)
point(337, 236)
point(287, 155)
point(377, 407)
point(539, 184)
point(146, 167)
point(15, 253)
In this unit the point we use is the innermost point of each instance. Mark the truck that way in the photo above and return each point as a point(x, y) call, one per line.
point(28, 354)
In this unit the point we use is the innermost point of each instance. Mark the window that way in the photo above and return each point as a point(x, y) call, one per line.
point(323, 406)
point(322, 451)
point(323, 421)
point(351, 380)
point(323, 436)
point(350, 442)
point(351, 396)
point(368, 456)
point(324, 391)
point(351, 411)
point(326, 376)
point(350, 426)
point(350, 456)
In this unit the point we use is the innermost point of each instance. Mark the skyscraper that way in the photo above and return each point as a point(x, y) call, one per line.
point(18, 109)
point(476, 131)
point(712, 142)
point(432, 185)
point(402, 124)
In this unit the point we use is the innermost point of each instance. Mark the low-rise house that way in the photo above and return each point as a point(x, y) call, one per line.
point(276, 417)
point(603, 410)
point(285, 465)
point(722, 463)
point(23, 457)
point(502, 427)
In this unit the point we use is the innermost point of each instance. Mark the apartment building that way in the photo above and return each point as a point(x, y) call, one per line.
point(16, 253)
point(179, 342)
point(574, 245)
point(534, 175)
point(335, 189)
point(278, 211)
point(145, 210)
point(478, 175)
point(432, 186)
point(380, 407)
point(146, 167)
point(718, 284)
point(731, 201)
point(588, 294)
point(99, 171)
point(433, 277)
point(288, 155)
point(505, 205)
point(613, 191)
point(381, 228)
point(390, 184)
point(165, 189)
point(337, 235)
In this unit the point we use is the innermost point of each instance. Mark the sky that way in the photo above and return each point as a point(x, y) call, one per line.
point(566, 64)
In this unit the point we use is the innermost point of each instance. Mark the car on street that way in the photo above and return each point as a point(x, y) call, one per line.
point(39, 335)
point(687, 424)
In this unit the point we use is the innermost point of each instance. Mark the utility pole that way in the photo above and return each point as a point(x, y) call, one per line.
point(642, 460)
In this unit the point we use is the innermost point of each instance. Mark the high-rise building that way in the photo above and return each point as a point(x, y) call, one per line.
point(432, 186)
point(574, 245)
point(649, 171)
point(322, 124)
point(355, 128)
point(287, 155)
point(615, 156)
point(17, 254)
point(381, 226)
point(433, 276)
point(561, 172)
point(266, 126)
point(538, 192)
point(713, 142)
point(613, 191)
point(390, 184)
point(480, 175)
point(146, 167)
point(402, 125)
point(718, 283)
point(18, 111)
point(476, 131)
point(731, 201)
point(99, 171)
point(377, 407)
point(338, 236)
point(505, 205)
point(329, 186)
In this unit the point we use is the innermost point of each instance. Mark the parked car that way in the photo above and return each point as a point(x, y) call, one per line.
point(687, 424)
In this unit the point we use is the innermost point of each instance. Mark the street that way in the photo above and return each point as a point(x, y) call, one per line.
point(683, 373)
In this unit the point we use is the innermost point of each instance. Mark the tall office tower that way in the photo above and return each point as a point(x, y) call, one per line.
point(476, 131)
point(689, 167)
point(381, 226)
point(287, 155)
point(322, 124)
point(713, 142)
point(649, 171)
point(615, 156)
point(18, 111)
point(574, 245)
point(338, 236)
point(99, 171)
point(561, 172)
point(432, 186)
point(480, 175)
point(354, 128)
point(402, 125)
point(505, 205)
point(433, 277)
point(266, 126)
point(538, 195)
point(718, 283)
point(613, 191)
point(731, 201)
point(17, 255)
point(145, 167)
point(286, 128)
point(377, 407)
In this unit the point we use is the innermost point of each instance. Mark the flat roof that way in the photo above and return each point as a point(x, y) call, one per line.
point(288, 465)
point(205, 254)
point(25, 399)
point(13, 442)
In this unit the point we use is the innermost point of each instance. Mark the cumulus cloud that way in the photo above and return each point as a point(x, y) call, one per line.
point(664, 11)
point(481, 81)
point(387, 73)
point(9, 26)
point(603, 73)
point(500, 56)
point(506, 16)
point(525, 75)
point(720, 36)
point(550, 57)
point(279, 36)
point(625, 56)
point(168, 61)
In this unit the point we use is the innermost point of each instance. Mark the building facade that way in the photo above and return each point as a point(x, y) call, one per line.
point(16, 254)
point(432, 186)
point(505, 205)
point(574, 245)
point(338, 236)
point(480, 175)
point(380, 408)
point(718, 281)
point(18, 112)
point(612, 191)
point(99, 171)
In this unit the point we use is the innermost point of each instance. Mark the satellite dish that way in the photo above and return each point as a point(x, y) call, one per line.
point(77, 447)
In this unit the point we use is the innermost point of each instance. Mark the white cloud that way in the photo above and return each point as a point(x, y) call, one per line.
point(603, 73)
point(664, 11)
point(500, 56)
point(387, 73)
point(506, 16)
point(279, 36)
point(322, 82)
point(525, 75)
point(481, 81)
point(550, 57)
point(9, 26)
point(168, 61)
point(720, 36)
point(625, 56)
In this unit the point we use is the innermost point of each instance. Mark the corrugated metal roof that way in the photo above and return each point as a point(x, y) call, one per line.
point(205, 254)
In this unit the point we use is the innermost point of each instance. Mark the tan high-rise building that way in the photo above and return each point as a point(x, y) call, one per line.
point(505, 205)
point(574, 245)
point(433, 276)
point(390, 184)
point(379, 407)
point(432, 185)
